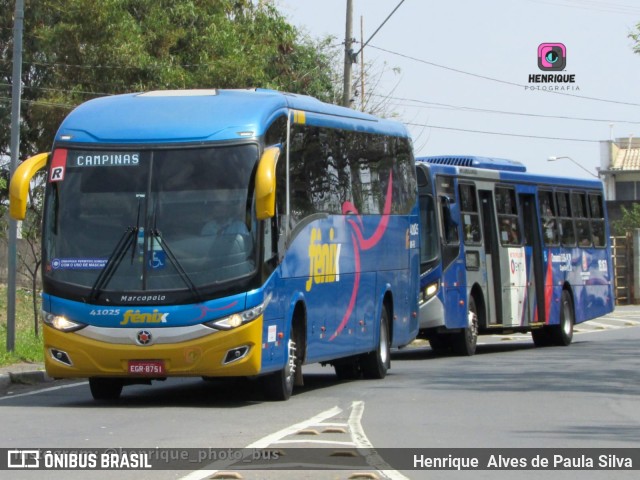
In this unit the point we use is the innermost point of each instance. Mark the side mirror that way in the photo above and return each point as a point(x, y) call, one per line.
point(266, 184)
point(19, 187)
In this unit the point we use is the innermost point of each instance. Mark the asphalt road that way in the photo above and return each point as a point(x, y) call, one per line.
point(509, 395)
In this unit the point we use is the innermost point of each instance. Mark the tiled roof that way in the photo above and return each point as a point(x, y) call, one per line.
point(626, 159)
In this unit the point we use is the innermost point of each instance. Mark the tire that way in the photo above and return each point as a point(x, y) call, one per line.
point(376, 364)
point(348, 369)
point(440, 343)
point(541, 337)
point(562, 334)
point(108, 389)
point(278, 385)
point(464, 342)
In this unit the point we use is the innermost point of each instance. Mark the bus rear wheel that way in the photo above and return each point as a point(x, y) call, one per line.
point(376, 364)
point(348, 369)
point(562, 334)
point(465, 341)
point(440, 343)
point(541, 337)
point(106, 388)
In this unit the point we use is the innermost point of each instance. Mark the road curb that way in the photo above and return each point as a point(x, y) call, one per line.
point(23, 374)
point(29, 377)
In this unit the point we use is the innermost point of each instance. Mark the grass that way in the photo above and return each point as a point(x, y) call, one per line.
point(28, 346)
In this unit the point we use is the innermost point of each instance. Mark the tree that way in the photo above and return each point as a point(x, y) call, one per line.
point(29, 258)
point(635, 36)
point(630, 220)
point(75, 50)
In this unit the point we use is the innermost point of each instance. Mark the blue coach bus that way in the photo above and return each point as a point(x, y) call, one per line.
point(219, 233)
point(503, 251)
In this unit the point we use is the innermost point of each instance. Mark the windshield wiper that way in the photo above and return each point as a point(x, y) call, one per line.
point(127, 240)
point(156, 236)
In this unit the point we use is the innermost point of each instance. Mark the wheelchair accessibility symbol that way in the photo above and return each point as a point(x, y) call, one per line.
point(157, 261)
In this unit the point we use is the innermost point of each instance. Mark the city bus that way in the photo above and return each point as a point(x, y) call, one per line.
point(505, 251)
point(224, 233)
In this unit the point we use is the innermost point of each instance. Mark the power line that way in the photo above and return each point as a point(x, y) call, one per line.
point(538, 137)
point(502, 112)
point(606, 6)
point(505, 82)
point(59, 90)
point(40, 103)
point(378, 29)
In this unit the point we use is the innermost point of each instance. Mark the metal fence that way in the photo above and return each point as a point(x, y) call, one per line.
point(622, 255)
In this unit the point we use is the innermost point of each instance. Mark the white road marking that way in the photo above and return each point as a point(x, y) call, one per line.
point(361, 440)
point(266, 441)
point(274, 437)
point(44, 390)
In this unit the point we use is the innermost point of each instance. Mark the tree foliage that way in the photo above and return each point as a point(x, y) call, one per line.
point(74, 50)
point(630, 220)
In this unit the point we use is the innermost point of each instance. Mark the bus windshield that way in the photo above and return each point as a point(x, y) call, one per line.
point(150, 219)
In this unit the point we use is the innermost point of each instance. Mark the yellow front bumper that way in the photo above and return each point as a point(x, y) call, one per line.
point(199, 357)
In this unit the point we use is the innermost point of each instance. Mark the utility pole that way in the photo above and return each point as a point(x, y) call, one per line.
point(16, 93)
point(348, 56)
point(362, 97)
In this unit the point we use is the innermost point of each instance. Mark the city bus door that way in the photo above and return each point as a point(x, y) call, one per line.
point(534, 261)
point(492, 258)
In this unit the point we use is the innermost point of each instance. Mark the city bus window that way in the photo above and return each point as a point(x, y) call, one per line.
point(446, 197)
point(429, 250)
point(548, 216)
point(508, 222)
point(469, 214)
point(579, 209)
point(567, 229)
point(597, 220)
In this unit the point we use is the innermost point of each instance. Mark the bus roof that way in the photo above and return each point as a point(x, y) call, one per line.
point(501, 169)
point(179, 116)
point(475, 162)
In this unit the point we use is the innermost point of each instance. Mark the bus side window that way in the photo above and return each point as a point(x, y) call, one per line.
point(508, 224)
point(449, 225)
point(547, 214)
point(469, 214)
point(579, 210)
point(596, 214)
point(567, 227)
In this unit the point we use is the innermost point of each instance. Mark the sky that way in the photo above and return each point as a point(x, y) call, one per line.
point(465, 66)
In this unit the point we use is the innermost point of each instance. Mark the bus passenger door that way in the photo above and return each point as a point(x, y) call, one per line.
point(512, 264)
point(492, 258)
point(533, 248)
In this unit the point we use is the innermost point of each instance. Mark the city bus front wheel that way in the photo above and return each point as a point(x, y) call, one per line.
point(108, 389)
point(465, 341)
point(279, 385)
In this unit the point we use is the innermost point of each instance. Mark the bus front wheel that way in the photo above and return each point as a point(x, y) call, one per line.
point(105, 388)
point(465, 341)
point(376, 364)
point(279, 385)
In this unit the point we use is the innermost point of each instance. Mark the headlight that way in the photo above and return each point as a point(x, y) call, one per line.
point(429, 291)
point(62, 323)
point(236, 319)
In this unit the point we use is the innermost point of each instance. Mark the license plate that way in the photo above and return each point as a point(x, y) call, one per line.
point(146, 367)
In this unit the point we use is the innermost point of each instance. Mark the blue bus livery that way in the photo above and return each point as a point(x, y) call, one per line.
point(503, 251)
point(224, 233)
